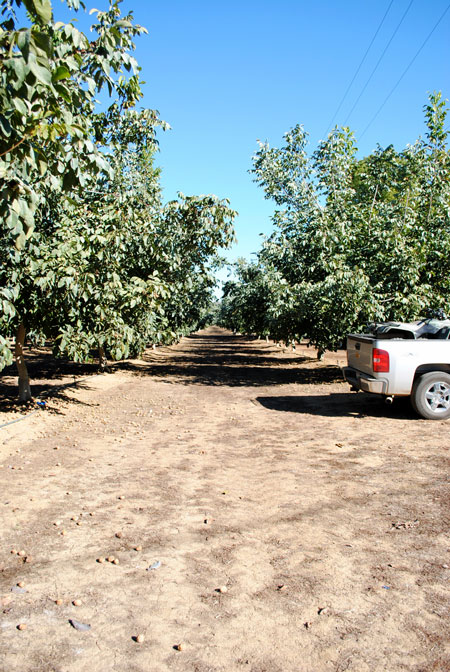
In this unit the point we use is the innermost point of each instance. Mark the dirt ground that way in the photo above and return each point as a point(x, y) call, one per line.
point(293, 526)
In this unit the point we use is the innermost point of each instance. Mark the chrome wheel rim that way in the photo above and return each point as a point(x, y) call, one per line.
point(437, 397)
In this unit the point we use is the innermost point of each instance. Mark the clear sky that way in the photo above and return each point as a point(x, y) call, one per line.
point(225, 74)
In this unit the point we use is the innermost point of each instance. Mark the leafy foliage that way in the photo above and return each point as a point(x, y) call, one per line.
point(354, 241)
point(50, 77)
point(90, 256)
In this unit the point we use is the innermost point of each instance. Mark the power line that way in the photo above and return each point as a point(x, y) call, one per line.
point(405, 71)
point(358, 68)
point(379, 60)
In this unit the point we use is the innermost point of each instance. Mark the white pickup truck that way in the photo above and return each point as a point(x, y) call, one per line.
point(404, 359)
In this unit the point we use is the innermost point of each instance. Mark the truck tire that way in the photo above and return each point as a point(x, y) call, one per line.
point(430, 397)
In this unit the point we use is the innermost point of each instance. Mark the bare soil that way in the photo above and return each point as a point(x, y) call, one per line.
point(299, 527)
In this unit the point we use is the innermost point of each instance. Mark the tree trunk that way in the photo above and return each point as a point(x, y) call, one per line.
point(320, 355)
point(102, 359)
point(24, 380)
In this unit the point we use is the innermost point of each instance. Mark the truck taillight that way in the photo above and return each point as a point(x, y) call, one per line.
point(380, 360)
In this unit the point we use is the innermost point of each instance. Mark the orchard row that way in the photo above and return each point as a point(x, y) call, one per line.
point(91, 257)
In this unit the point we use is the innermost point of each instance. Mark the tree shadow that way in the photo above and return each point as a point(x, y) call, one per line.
point(222, 356)
point(339, 404)
point(229, 360)
point(44, 392)
point(214, 358)
point(236, 375)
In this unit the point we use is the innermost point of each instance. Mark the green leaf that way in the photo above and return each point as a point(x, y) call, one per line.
point(20, 241)
point(42, 74)
point(43, 43)
point(23, 41)
point(5, 126)
point(40, 9)
point(61, 72)
point(42, 166)
point(63, 91)
point(20, 105)
point(18, 65)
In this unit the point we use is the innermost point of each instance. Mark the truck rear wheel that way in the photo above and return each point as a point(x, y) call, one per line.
point(431, 396)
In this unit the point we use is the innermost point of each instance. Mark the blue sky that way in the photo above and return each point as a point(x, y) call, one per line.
point(226, 74)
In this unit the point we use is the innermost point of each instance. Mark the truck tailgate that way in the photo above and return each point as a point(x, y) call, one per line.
point(359, 352)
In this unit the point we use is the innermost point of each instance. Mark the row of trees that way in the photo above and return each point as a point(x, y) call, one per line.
point(354, 240)
point(90, 256)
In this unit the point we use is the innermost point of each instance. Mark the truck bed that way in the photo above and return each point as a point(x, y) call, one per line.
point(408, 357)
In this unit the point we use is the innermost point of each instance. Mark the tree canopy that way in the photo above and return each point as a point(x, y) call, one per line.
point(354, 240)
point(91, 257)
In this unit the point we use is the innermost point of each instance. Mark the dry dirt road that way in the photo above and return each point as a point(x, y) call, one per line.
point(292, 526)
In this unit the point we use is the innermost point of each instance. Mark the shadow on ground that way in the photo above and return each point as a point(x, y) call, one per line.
point(44, 393)
point(215, 359)
point(50, 377)
point(232, 361)
point(237, 376)
point(340, 405)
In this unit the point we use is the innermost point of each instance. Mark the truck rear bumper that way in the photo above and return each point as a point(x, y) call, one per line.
point(360, 381)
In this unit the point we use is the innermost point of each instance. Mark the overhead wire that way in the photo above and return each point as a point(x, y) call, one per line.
point(379, 61)
point(405, 71)
point(359, 67)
